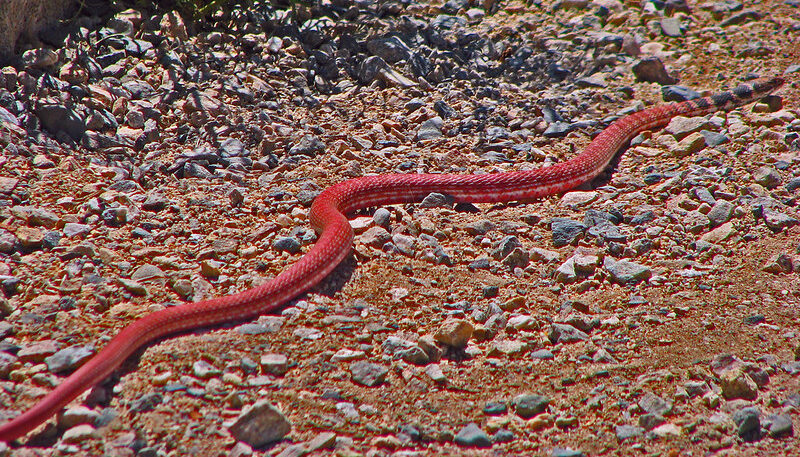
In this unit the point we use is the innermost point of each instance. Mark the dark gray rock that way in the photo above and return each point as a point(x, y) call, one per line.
point(309, 145)
point(566, 231)
point(59, 118)
point(472, 436)
point(287, 244)
point(529, 405)
point(68, 359)
point(748, 423)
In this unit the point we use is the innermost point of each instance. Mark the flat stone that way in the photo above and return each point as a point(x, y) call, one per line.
point(627, 432)
point(564, 333)
point(368, 374)
point(626, 272)
point(69, 359)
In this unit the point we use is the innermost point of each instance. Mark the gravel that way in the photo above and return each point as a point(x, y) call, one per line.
point(149, 160)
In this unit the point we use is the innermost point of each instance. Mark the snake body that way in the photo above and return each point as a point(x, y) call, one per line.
point(327, 215)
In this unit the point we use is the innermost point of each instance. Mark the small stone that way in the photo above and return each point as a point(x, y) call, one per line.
point(30, 237)
point(288, 244)
point(564, 333)
point(382, 217)
point(693, 143)
point(454, 333)
point(147, 272)
point(748, 423)
point(375, 237)
point(210, 268)
point(69, 359)
point(73, 229)
point(529, 405)
point(472, 436)
point(671, 26)
point(566, 452)
point(275, 364)
point(542, 354)
point(653, 404)
point(626, 432)
point(720, 213)
point(430, 129)
point(368, 374)
point(767, 177)
point(260, 424)
point(309, 145)
point(37, 352)
point(667, 430)
point(651, 421)
point(681, 127)
point(434, 371)
point(76, 416)
point(436, 200)
point(778, 264)
point(495, 408)
point(204, 370)
point(736, 383)
point(79, 434)
point(779, 426)
point(652, 70)
point(566, 231)
point(626, 272)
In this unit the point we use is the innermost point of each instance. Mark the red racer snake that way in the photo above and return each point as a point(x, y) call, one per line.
point(327, 215)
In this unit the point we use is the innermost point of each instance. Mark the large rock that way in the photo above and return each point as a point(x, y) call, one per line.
point(26, 18)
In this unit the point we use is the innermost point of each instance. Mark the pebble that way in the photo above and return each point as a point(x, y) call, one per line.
point(563, 333)
point(472, 436)
point(651, 69)
point(431, 129)
point(767, 177)
point(626, 272)
point(779, 425)
point(79, 434)
point(275, 364)
point(454, 333)
point(542, 354)
point(736, 383)
point(69, 359)
point(652, 404)
point(260, 424)
point(529, 405)
point(566, 231)
point(434, 371)
point(368, 374)
point(627, 432)
point(287, 244)
point(77, 415)
point(566, 452)
point(748, 423)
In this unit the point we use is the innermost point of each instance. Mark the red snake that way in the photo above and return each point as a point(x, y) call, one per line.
point(327, 216)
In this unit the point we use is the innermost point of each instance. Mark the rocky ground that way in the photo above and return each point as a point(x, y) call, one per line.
point(149, 160)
